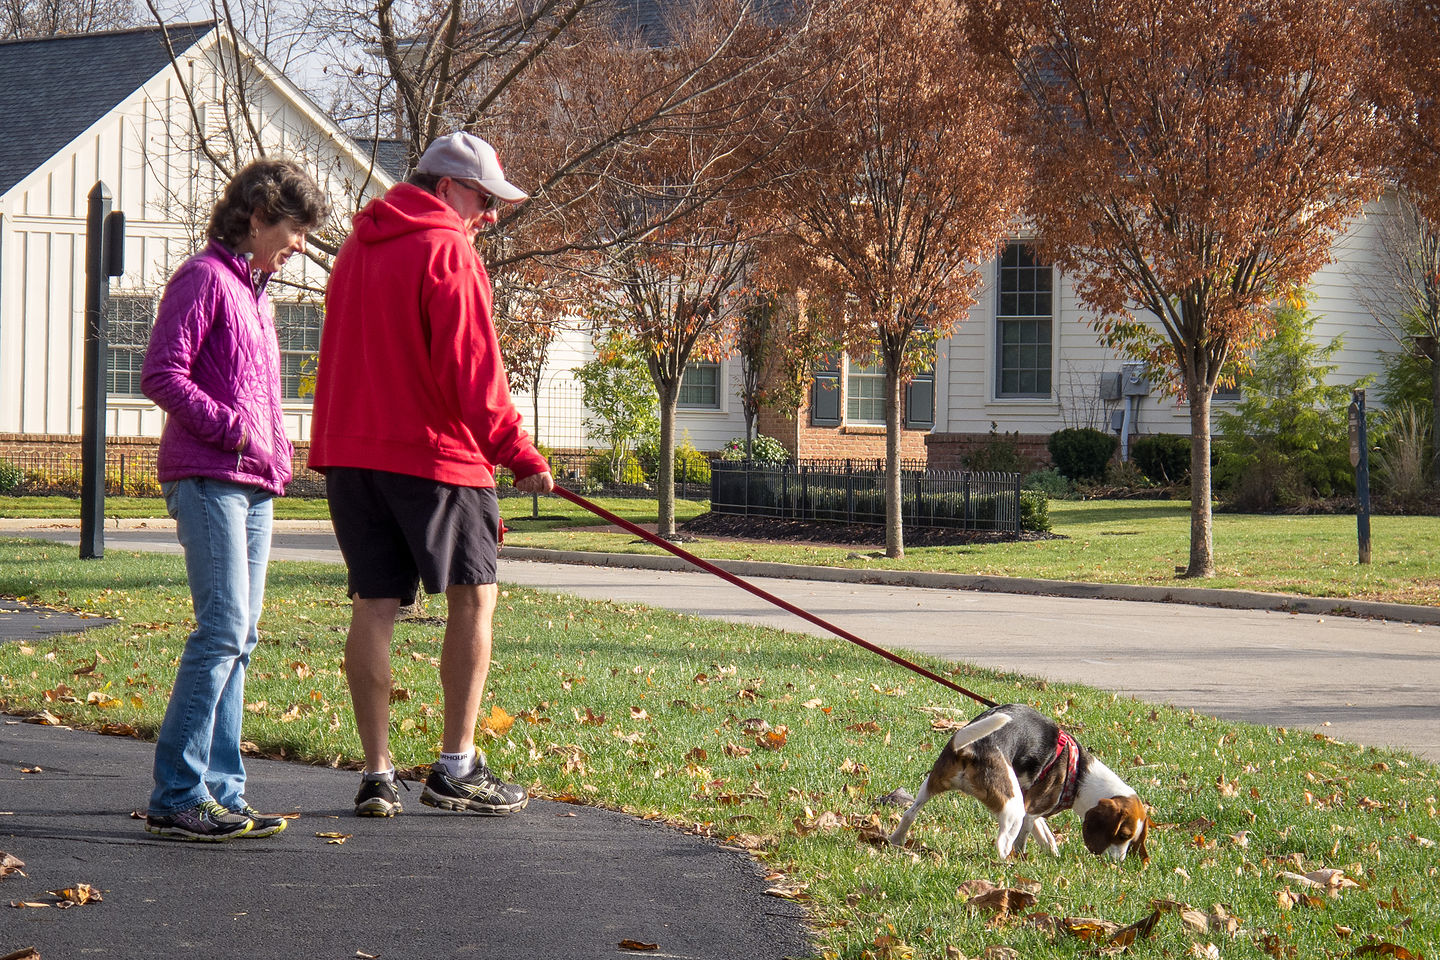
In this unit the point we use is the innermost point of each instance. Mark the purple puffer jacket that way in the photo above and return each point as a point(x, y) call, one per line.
point(214, 366)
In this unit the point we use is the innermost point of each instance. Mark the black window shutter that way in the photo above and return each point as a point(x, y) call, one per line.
point(920, 401)
point(825, 393)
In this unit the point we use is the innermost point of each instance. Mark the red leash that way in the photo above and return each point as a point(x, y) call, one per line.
point(728, 577)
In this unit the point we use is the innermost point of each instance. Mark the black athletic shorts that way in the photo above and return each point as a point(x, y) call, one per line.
point(396, 530)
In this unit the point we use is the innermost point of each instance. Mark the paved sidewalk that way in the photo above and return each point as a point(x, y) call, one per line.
point(550, 881)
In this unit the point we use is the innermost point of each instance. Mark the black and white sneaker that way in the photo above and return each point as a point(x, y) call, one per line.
point(478, 792)
point(377, 798)
point(207, 822)
point(262, 824)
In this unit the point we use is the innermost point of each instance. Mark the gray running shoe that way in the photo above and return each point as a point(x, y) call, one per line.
point(206, 822)
point(264, 824)
point(479, 792)
point(377, 798)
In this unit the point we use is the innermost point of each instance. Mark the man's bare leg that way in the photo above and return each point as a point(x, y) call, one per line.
point(367, 671)
point(465, 661)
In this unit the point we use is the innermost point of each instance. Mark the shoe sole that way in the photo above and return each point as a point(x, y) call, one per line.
point(254, 834)
point(461, 805)
point(174, 833)
point(378, 808)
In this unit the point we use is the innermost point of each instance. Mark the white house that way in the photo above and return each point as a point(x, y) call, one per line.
point(110, 107)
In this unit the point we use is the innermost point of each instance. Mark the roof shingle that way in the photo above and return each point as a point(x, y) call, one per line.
point(53, 89)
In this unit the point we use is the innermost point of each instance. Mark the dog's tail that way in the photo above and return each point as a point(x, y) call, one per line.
point(978, 730)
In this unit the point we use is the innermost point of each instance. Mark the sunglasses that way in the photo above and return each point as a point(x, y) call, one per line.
point(491, 202)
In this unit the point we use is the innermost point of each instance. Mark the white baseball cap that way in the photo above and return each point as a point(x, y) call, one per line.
point(466, 155)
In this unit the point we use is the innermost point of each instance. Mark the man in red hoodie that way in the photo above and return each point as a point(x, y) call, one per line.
point(412, 415)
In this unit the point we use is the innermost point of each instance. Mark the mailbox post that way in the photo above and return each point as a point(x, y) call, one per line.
point(104, 258)
point(1360, 460)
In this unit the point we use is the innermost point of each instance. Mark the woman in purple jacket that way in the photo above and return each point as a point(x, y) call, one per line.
point(213, 365)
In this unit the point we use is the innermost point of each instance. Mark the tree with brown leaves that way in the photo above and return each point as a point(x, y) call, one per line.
point(898, 181)
point(673, 208)
point(1193, 162)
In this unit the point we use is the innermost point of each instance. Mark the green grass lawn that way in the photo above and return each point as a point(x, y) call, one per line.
point(1101, 541)
point(553, 512)
point(1133, 541)
point(785, 744)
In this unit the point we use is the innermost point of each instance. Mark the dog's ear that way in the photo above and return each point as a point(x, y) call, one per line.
point(1139, 845)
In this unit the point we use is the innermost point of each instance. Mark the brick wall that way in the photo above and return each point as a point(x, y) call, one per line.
point(948, 451)
point(804, 441)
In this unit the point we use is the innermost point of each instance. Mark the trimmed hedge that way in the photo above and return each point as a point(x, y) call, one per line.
point(1082, 453)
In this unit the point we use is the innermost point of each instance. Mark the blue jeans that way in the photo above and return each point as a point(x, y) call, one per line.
point(225, 531)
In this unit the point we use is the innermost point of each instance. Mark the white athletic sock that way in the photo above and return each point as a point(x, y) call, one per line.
point(387, 774)
point(458, 764)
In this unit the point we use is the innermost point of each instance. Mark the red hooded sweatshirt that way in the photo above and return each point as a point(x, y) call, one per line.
point(410, 377)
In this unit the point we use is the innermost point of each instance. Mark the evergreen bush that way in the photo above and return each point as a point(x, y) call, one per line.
point(1162, 457)
point(1287, 442)
point(1081, 453)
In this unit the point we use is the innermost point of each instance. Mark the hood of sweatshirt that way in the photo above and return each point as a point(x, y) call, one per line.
point(404, 209)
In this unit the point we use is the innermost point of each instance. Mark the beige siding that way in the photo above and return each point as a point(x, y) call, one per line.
point(145, 151)
point(1343, 299)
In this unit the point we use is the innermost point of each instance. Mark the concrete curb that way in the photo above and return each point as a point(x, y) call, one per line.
point(1198, 596)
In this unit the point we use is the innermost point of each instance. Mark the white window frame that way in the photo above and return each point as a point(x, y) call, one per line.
point(1025, 311)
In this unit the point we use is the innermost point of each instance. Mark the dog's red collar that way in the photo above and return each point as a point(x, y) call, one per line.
point(1072, 764)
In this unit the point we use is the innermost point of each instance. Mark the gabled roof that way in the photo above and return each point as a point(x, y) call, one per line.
point(390, 155)
point(53, 89)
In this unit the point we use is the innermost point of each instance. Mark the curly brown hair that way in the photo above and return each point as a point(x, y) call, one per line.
point(275, 189)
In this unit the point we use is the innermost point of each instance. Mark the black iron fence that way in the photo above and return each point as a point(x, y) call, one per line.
point(132, 473)
point(57, 473)
point(854, 492)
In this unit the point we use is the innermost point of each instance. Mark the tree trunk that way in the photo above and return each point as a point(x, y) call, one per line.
point(894, 529)
point(665, 478)
point(1435, 418)
point(1202, 558)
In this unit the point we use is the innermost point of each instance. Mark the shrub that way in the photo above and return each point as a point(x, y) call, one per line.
point(1401, 459)
point(997, 453)
point(1162, 457)
point(1050, 482)
point(1290, 424)
point(601, 469)
point(691, 466)
point(1034, 511)
point(1081, 453)
point(10, 476)
point(763, 449)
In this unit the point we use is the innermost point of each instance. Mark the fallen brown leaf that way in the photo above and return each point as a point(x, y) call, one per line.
point(974, 888)
point(334, 837)
point(9, 863)
point(1089, 929)
point(1002, 901)
point(24, 953)
point(81, 893)
point(119, 730)
point(1384, 950)
point(497, 724)
point(44, 718)
point(637, 945)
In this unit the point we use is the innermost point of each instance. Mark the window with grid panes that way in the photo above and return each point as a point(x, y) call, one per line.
point(298, 327)
point(128, 321)
point(864, 393)
point(1023, 322)
point(700, 386)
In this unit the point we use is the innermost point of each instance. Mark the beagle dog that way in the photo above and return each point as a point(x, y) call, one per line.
point(1023, 767)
